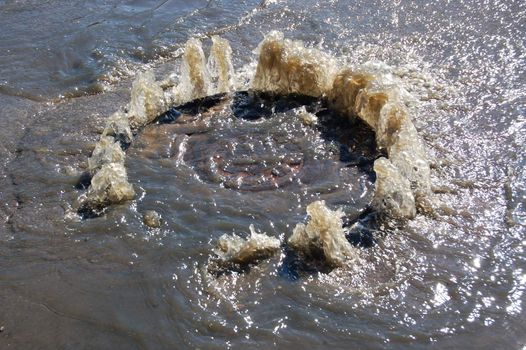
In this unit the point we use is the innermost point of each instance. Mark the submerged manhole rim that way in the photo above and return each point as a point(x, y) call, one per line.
point(284, 67)
point(283, 147)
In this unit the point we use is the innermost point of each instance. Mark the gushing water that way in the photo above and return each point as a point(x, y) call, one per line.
point(405, 117)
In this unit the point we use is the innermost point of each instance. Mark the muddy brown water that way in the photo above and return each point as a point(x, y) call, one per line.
point(450, 281)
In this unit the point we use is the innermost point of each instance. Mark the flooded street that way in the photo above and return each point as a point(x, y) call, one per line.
point(451, 277)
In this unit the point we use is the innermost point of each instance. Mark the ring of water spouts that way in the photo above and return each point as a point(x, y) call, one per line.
point(402, 186)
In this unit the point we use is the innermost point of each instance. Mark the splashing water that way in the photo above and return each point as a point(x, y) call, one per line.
point(429, 106)
point(323, 231)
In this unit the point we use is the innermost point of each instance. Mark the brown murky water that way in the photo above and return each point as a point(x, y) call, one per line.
point(454, 280)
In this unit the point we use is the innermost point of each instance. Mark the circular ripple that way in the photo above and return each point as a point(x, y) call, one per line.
point(245, 161)
point(258, 143)
point(255, 143)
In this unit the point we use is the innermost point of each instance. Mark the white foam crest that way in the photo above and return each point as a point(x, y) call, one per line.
point(324, 231)
point(109, 185)
point(392, 194)
point(106, 151)
point(378, 102)
point(195, 79)
point(234, 249)
point(220, 65)
point(152, 219)
point(407, 153)
point(147, 100)
point(118, 126)
point(287, 66)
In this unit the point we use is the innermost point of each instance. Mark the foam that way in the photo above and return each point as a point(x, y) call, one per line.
point(407, 153)
point(392, 195)
point(378, 103)
point(118, 126)
point(287, 66)
point(220, 65)
point(152, 219)
point(234, 249)
point(324, 232)
point(106, 151)
point(109, 186)
point(147, 100)
point(392, 116)
point(195, 78)
point(345, 89)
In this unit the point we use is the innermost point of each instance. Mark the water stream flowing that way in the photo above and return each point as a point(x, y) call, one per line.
point(179, 174)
